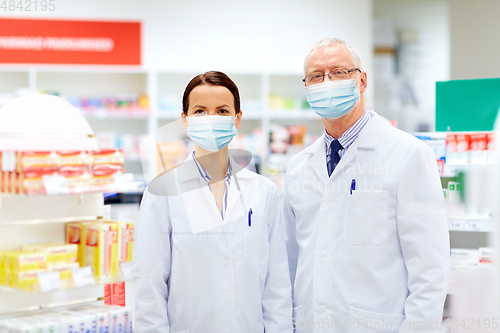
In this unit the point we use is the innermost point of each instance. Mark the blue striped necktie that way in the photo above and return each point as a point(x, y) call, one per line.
point(335, 146)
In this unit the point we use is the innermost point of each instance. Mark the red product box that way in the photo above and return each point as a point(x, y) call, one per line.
point(108, 294)
point(108, 156)
point(491, 139)
point(451, 143)
point(463, 143)
point(478, 142)
point(118, 293)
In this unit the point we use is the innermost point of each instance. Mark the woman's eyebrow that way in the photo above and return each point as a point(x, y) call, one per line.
point(223, 106)
point(199, 106)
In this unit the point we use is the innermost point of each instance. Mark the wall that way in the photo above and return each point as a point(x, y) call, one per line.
point(475, 39)
point(261, 35)
point(429, 19)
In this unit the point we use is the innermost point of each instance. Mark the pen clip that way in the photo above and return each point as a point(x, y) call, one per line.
point(353, 185)
point(250, 217)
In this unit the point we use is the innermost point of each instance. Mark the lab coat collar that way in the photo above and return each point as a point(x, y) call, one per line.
point(370, 134)
point(368, 138)
point(198, 199)
point(320, 142)
point(188, 171)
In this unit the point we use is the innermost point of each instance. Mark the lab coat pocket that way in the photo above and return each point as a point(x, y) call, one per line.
point(255, 240)
point(362, 321)
point(366, 215)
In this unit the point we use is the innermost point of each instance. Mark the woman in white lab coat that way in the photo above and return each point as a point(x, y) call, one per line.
point(209, 233)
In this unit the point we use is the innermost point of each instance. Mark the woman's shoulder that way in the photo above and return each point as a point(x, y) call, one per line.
point(264, 182)
point(164, 184)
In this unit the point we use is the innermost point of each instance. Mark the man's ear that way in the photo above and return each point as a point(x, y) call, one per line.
point(363, 82)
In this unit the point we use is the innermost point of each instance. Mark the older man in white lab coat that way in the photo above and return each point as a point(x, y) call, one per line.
point(367, 235)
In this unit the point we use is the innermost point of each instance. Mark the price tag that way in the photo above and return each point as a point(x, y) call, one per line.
point(130, 271)
point(123, 178)
point(49, 281)
point(83, 277)
point(456, 224)
point(472, 225)
point(55, 184)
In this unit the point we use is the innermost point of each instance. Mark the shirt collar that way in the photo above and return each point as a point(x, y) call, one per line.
point(349, 136)
point(205, 175)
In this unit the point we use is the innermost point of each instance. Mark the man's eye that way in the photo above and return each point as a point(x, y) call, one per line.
point(317, 76)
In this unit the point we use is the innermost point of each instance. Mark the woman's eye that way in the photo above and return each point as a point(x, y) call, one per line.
point(199, 111)
point(223, 111)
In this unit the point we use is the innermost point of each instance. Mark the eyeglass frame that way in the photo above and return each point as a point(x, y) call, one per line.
point(328, 74)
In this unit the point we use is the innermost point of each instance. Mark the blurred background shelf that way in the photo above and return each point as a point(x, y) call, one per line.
point(37, 209)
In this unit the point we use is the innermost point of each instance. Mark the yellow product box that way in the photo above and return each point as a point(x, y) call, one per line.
point(25, 261)
point(74, 235)
point(27, 280)
point(125, 241)
point(3, 269)
point(65, 272)
point(56, 252)
point(101, 252)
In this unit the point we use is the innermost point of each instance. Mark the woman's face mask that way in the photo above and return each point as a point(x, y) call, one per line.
point(211, 133)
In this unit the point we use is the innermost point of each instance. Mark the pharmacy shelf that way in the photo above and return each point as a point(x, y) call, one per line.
point(38, 209)
point(20, 209)
point(17, 301)
point(118, 115)
point(14, 302)
point(292, 114)
point(470, 224)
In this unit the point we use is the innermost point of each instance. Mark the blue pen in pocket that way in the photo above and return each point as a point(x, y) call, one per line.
point(250, 217)
point(353, 185)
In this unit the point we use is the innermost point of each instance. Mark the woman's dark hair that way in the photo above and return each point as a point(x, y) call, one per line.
point(215, 79)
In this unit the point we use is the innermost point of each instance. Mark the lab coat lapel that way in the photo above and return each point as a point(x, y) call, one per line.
point(239, 184)
point(318, 159)
point(346, 159)
point(370, 134)
point(198, 201)
point(367, 139)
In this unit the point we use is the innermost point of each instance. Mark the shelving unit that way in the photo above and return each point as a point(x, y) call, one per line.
point(164, 90)
point(27, 219)
point(33, 219)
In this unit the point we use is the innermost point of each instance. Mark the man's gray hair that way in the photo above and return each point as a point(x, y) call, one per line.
point(356, 59)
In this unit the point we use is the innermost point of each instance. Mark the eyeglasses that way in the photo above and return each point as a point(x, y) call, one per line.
point(336, 74)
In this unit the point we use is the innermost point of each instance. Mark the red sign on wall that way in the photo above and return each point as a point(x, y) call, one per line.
point(70, 42)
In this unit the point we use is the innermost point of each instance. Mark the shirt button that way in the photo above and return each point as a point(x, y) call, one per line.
point(226, 257)
point(322, 254)
point(227, 295)
point(320, 310)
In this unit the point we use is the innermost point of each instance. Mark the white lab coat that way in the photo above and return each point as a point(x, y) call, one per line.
point(380, 255)
point(206, 274)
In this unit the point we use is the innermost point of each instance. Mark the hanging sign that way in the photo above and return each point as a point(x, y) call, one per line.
point(70, 42)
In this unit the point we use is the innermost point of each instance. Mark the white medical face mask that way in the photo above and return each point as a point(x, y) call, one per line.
point(211, 133)
point(333, 99)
